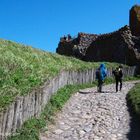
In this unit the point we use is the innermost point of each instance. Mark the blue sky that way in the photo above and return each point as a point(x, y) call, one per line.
point(41, 23)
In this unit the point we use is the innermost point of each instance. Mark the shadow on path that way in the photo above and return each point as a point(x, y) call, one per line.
point(91, 92)
point(134, 133)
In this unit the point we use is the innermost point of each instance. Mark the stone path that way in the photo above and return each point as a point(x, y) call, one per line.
point(89, 115)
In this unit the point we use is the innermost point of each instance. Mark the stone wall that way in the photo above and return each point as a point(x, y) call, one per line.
point(32, 104)
point(119, 46)
point(76, 46)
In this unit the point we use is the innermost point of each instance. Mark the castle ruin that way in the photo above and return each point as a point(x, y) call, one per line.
point(122, 46)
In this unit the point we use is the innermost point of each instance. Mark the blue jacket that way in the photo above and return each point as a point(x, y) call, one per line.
point(103, 71)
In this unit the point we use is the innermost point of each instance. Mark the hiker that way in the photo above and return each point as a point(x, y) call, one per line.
point(118, 74)
point(101, 73)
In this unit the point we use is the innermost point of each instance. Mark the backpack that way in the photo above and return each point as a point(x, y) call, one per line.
point(117, 73)
point(98, 74)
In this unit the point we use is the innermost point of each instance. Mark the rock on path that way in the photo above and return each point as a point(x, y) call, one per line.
point(89, 115)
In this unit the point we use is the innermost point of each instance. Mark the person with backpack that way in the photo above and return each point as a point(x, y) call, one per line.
point(118, 74)
point(101, 73)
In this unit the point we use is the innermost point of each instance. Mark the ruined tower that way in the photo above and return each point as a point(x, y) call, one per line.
point(134, 20)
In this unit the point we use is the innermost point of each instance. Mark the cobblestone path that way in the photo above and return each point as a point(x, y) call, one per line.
point(89, 115)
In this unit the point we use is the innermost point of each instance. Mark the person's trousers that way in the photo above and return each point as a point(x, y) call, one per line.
point(100, 84)
point(118, 81)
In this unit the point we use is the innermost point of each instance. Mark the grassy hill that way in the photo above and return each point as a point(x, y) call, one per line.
point(134, 98)
point(23, 68)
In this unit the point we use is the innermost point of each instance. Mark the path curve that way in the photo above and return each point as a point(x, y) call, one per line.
point(89, 115)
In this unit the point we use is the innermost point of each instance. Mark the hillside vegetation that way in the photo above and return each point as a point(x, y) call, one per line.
point(23, 68)
point(134, 99)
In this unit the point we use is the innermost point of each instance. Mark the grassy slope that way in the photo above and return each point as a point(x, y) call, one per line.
point(134, 98)
point(23, 68)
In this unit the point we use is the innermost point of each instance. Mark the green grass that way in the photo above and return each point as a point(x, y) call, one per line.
point(23, 68)
point(31, 128)
point(134, 98)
